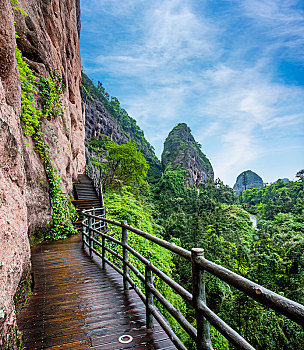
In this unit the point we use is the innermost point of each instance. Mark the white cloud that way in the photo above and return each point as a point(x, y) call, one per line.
point(274, 11)
point(281, 21)
point(168, 35)
point(285, 121)
point(213, 128)
point(238, 151)
point(175, 33)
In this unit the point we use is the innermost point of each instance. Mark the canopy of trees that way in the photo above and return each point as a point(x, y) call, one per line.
point(272, 256)
point(120, 165)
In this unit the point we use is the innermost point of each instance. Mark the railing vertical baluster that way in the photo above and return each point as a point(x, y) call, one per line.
point(125, 255)
point(103, 214)
point(149, 296)
point(103, 252)
point(101, 194)
point(83, 228)
point(93, 219)
point(90, 237)
point(203, 341)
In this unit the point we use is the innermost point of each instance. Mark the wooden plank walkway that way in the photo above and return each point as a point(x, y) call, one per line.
point(76, 305)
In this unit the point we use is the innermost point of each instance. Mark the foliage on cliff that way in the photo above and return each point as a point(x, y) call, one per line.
point(41, 101)
point(279, 197)
point(277, 253)
point(280, 212)
point(127, 123)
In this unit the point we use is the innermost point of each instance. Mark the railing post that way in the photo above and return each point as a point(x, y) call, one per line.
point(149, 296)
point(90, 237)
point(103, 252)
point(101, 194)
point(203, 341)
point(83, 228)
point(103, 214)
point(125, 255)
point(93, 219)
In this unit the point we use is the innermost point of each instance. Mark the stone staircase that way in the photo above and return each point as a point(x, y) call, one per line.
point(85, 196)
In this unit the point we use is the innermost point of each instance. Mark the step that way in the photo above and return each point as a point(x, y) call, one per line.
point(82, 178)
point(84, 200)
point(92, 204)
point(81, 188)
point(88, 198)
point(79, 201)
point(84, 186)
point(87, 191)
point(89, 205)
point(92, 195)
point(87, 194)
point(88, 185)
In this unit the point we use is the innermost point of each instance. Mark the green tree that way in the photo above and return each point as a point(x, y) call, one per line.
point(300, 175)
point(120, 165)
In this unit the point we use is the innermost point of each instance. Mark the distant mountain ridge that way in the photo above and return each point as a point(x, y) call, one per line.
point(181, 150)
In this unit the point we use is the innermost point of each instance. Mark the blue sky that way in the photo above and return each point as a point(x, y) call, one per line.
point(232, 70)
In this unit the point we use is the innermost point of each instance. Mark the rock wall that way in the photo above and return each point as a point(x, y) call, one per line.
point(48, 39)
point(100, 121)
point(181, 149)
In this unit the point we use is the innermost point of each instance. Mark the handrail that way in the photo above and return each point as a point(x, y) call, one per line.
point(277, 302)
point(170, 246)
point(90, 171)
point(201, 336)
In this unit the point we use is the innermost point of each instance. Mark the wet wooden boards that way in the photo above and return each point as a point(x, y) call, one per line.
point(76, 305)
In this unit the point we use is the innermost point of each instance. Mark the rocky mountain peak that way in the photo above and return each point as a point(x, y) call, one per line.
point(246, 180)
point(181, 149)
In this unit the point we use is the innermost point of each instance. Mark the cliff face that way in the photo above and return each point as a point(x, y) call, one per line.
point(100, 120)
point(48, 39)
point(181, 149)
point(246, 180)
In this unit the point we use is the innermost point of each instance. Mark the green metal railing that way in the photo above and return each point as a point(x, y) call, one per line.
point(201, 335)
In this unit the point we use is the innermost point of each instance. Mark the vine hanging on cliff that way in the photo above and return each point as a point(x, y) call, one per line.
point(40, 100)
